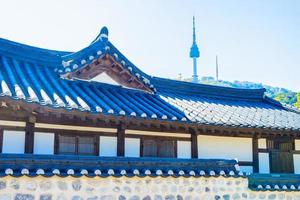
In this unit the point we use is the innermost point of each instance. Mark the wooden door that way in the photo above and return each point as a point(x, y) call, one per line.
point(281, 156)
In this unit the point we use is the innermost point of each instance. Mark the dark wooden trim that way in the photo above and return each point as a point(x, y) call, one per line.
point(263, 150)
point(245, 163)
point(1, 140)
point(194, 144)
point(97, 145)
point(29, 137)
point(56, 143)
point(157, 137)
point(255, 155)
point(121, 140)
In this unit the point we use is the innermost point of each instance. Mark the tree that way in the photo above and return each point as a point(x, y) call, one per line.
point(297, 104)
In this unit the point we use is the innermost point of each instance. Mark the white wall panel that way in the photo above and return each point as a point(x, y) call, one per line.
point(225, 147)
point(108, 146)
point(247, 169)
point(43, 143)
point(262, 143)
point(184, 149)
point(263, 163)
point(297, 163)
point(297, 145)
point(132, 147)
point(13, 141)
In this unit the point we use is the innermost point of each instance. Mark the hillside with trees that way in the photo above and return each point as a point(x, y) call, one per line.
point(285, 96)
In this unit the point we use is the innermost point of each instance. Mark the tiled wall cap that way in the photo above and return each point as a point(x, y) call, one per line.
point(222, 173)
point(84, 172)
point(123, 172)
point(202, 173)
point(147, 172)
point(56, 171)
point(260, 187)
point(268, 187)
point(70, 172)
point(276, 187)
point(284, 187)
point(174, 118)
point(192, 173)
point(212, 173)
point(136, 172)
point(40, 172)
point(144, 115)
point(9, 171)
point(292, 187)
point(97, 172)
point(123, 62)
point(25, 171)
point(231, 173)
point(170, 172)
point(99, 53)
point(107, 48)
point(159, 172)
point(181, 173)
point(110, 172)
point(130, 69)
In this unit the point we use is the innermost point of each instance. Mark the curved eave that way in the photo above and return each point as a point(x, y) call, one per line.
point(30, 53)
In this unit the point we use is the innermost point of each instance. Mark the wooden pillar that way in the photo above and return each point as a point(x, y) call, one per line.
point(194, 143)
point(29, 137)
point(255, 154)
point(121, 140)
point(1, 140)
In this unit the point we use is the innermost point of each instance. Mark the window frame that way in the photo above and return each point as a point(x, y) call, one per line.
point(77, 136)
point(157, 138)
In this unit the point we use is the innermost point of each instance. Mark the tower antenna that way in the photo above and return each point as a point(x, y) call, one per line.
point(194, 53)
point(217, 68)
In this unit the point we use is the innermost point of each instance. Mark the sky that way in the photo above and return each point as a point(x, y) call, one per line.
point(255, 40)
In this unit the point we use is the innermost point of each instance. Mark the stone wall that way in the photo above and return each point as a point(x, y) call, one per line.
point(110, 188)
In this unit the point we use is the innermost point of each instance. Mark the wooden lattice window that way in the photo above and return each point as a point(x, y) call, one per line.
point(158, 148)
point(76, 145)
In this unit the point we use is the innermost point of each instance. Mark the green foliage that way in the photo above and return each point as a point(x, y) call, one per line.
point(297, 104)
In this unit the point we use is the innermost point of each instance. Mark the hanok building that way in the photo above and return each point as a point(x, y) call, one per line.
point(92, 125)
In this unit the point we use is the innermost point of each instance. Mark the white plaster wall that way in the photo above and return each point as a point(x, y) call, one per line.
point(132, 147)
point(184, 149)
point(43, 143)
point(108, 146)
point(263, 163)
point(262, 143)
point(247, 169)
point(297, 163)
point(297, 145)
point(225, 147)
point(13, 141)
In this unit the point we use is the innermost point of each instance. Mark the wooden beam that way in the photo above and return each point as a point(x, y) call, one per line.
point(255, 154)
point(1, 140)
point(29, 137)
point(194, 143)
point(121, 140)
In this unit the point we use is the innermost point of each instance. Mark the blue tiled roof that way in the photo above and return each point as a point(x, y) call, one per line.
point(38, 75)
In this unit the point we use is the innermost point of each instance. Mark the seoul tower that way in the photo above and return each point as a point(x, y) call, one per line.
point(194, 54)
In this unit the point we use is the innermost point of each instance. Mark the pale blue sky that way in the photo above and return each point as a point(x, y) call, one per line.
point(255, 40)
